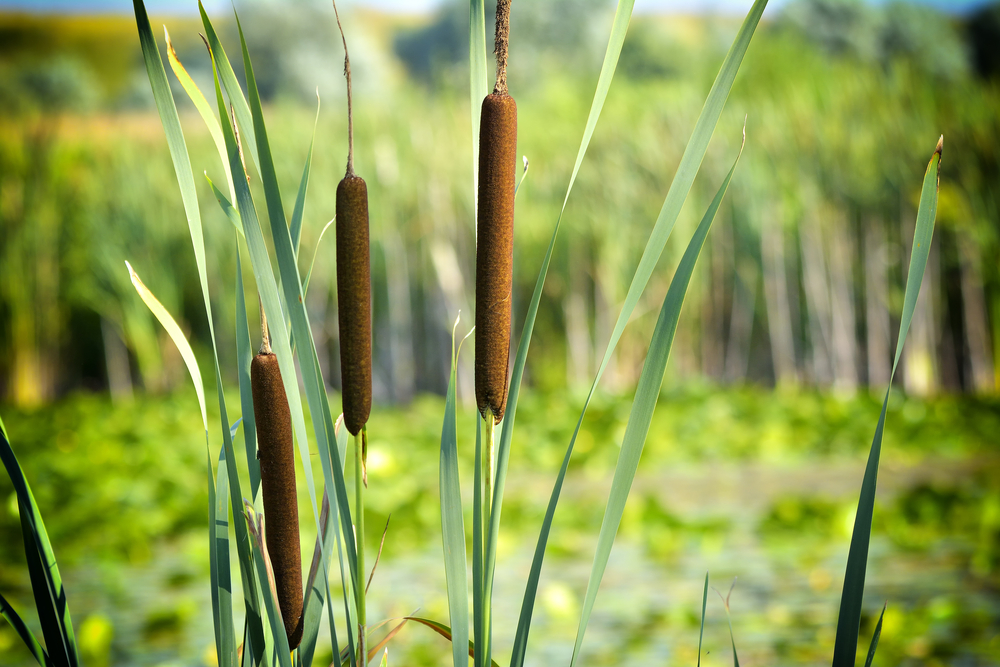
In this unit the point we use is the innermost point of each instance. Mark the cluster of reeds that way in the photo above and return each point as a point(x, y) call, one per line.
point(282, 621)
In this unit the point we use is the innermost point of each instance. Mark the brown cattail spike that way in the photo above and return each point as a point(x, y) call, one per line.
point(495, 250)
point(277, 480)
point(354, 301)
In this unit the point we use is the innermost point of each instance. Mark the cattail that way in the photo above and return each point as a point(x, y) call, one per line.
point(277, 480)
point(354, 304)
point(495, 232)
point(354, 301)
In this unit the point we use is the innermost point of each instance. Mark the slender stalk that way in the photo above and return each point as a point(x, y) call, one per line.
point(350, 110)
point(489, 479)
point(359, 540)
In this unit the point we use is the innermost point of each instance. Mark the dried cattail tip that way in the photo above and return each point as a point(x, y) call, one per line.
point(354, 301)
point(495, 250)
point(277, 480)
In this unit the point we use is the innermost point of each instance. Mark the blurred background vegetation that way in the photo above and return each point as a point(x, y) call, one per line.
point(789, 323)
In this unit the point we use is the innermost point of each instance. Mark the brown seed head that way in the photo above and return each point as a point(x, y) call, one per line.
point(354, 301)
point(495, 250)
point(277, 480)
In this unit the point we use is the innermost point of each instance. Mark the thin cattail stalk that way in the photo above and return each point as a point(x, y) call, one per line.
point(350, 110)
point(359, 532)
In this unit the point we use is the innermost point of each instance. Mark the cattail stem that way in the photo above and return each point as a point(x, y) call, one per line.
point(359, 540)
point(500, 44)
point(350, 111)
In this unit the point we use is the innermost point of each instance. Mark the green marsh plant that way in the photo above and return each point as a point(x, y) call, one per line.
point(281, 629)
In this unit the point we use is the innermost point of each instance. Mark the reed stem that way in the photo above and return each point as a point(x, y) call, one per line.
point(359, 540)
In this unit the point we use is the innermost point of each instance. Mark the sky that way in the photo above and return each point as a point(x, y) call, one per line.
point(414, 6)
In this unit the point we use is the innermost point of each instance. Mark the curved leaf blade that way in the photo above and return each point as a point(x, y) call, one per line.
point(641, 414)
point(849, 618)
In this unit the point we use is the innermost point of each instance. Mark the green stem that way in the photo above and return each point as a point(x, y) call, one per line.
point(359, 540)
point(489, 474)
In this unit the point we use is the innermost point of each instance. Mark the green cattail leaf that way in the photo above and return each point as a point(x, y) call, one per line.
point(478, 580)
point(317, 591)
point(24, 633)
point(221, 577)
point(266, 577)
point(176, 335)
point(690, 163)
point(641, 414)
point(46, 582)
point(305, 284)
point(244, 355)
point(228, 79)
point(182, 168)
point(445, 632)
point(452, 521)
point(227, 207)
point(849, 618)
point(203, 107)
point(295, 226)
point(875, 637)
point(701, 627)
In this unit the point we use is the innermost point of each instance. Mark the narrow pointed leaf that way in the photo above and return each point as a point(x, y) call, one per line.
point(46, 582)
point(690, 163)
point(228, 79)
point(244, 356)
point(849, 618)
point(24, 633)
point(452, 521)
point(641, 414)
point(203, 107)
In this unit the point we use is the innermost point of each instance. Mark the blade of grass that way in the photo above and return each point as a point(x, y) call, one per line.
point(689, 165)
point(619, 28)
point(729, 618)
point(317, 592)
point(46, 582)
point(452, 521)
point(223, 620)
point(24, 633)
point(222, 593)
point(203, 107)
point(701, 628)
point(227, 207)
point(641, 414)
point(295, 226)
point(478, 613)
point(182, 168)
point(875, 637)
point(312, 263)
point(173, 330)
point(445, 632)
point(264, 574)
point(228, 77)
point(244, 355)
point(849, 618)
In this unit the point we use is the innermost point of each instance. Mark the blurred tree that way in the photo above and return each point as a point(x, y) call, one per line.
point(984, 40)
